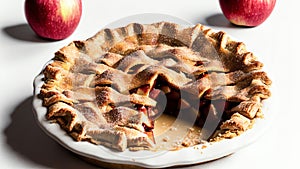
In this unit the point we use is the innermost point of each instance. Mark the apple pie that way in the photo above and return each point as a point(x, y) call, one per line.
point(112, 88)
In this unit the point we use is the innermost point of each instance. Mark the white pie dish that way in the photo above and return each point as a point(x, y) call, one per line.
point(147, 159)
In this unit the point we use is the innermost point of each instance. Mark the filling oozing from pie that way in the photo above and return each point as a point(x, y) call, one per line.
point(157, 87)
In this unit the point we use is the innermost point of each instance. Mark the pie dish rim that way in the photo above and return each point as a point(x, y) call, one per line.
point(193, 155)
point(102, 153)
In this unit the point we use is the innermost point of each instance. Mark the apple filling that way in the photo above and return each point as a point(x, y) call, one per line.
point(200, 117)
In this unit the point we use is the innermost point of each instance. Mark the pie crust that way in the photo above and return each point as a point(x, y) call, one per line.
point(111, 88)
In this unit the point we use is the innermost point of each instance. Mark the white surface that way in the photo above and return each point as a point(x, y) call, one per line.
point(22, 55)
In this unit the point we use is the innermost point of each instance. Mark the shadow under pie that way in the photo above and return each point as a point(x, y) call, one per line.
point(25, 138)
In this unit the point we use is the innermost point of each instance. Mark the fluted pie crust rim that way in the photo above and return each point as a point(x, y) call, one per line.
point(72, 110)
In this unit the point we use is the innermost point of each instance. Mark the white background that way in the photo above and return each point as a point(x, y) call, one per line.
point(22, 56)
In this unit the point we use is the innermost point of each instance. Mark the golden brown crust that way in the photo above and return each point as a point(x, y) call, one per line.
point(237, 122)
point(88, 83)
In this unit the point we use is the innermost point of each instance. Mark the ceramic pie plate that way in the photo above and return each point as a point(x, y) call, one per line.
point(106, 157)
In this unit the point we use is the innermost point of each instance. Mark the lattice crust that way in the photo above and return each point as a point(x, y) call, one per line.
point(102, 89)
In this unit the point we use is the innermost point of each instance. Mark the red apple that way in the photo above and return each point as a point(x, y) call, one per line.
point(53, 19)
point(247, 12)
